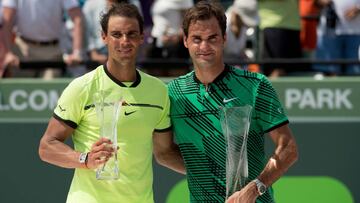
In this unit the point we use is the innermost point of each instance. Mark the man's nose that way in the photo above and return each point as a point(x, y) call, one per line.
point(204, 44)
point(124, 37)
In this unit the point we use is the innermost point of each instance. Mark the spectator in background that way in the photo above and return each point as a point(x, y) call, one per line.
point(167, 16)
point(66, 42)
point(5, 60)
point(280, 31)
point(2, 45)
point(309, 13)
point(240, 16)
point(339, 36)
point(166, 33)
point(92, 9)
point(37, 26)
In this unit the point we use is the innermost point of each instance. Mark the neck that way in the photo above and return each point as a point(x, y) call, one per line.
point(124, 72)
point(207, 75)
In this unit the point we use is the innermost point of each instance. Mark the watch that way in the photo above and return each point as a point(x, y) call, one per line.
point(83, 157)
point(261, 187)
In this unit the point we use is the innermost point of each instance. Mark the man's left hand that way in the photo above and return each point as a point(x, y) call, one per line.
point(246, 195)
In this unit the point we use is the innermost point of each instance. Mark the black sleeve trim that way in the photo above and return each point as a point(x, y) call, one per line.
point(67, 122)
point(163, 130)
point(277, 126)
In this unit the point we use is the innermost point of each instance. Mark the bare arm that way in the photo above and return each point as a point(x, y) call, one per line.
point(352, 12)
point(100, 58)
point(52, 148)
point(77, 34)
point(9, 20)
point(284, 156)
point(166, 152)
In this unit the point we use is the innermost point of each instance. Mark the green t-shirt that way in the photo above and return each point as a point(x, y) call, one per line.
point(148, 111)
point(279, 14)
point(196, 124)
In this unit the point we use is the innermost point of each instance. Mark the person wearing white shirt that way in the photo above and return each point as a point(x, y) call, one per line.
point(37, 25)
point(241, 16)
point(339, 36)
point(167, 16)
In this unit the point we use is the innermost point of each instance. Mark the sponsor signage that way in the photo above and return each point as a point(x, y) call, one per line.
point(304, 99)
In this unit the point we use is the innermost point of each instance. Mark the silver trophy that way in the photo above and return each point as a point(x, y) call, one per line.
point(108, 106)
point(235, 123)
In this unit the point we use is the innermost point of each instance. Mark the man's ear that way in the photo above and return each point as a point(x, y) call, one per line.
point(103, 36)
point(184, 41)
point(142, 38)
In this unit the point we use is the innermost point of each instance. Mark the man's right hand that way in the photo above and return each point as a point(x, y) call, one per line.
point(100, 153)
point(11, 60)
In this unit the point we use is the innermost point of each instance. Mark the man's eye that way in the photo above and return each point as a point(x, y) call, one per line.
point(212, 40)
point(116, 35)
point(196, 40)
point(132, 35)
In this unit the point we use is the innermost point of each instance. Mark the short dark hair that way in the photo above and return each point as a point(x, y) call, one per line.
point(204, 10)
point(122, 9)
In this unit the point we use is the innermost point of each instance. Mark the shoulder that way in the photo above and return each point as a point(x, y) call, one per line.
point(79, 85)
point(9, 3)
point(184, 79)
point(94, 5)
point(70, 4)
point(244, 74)
point(151, 82)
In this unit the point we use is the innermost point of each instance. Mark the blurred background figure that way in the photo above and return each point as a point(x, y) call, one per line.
point(2, 45)
point(92, 9)
point(339, 36)
point(66, 42)
point(280, 35)
point(309, 13)
point(242, 33)
point(166, 34)
point(32, 31)
point(241, 16)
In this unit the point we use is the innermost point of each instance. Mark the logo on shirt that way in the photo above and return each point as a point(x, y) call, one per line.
point(61, 109)
point(229, 100)
point(129, 113)
point(280, 110)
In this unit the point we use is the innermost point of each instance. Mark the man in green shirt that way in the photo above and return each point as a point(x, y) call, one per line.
point(143, 128)
point(195, 101)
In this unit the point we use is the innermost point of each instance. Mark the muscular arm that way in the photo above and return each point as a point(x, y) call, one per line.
point(284, 156)
point(52, 148)
point(77, 34)
point(166, 152)
point(9, 21)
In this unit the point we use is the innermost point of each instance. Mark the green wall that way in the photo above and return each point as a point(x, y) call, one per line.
point(324, 116)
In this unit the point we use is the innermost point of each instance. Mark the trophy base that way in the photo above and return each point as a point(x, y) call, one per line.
point(106, 176)
point(112, 174)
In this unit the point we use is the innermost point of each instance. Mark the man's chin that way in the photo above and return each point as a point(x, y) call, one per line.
point(204, 62)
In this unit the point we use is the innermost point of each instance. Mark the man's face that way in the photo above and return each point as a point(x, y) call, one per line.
point(205, 42)
point(123, 38)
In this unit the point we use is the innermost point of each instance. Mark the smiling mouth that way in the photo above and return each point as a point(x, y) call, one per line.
point(124, 50)
point(205, 55)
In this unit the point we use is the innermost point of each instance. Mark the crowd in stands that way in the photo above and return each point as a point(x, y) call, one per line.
point(68, 31)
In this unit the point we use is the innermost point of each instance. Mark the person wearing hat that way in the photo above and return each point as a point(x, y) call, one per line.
point(240, 17)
